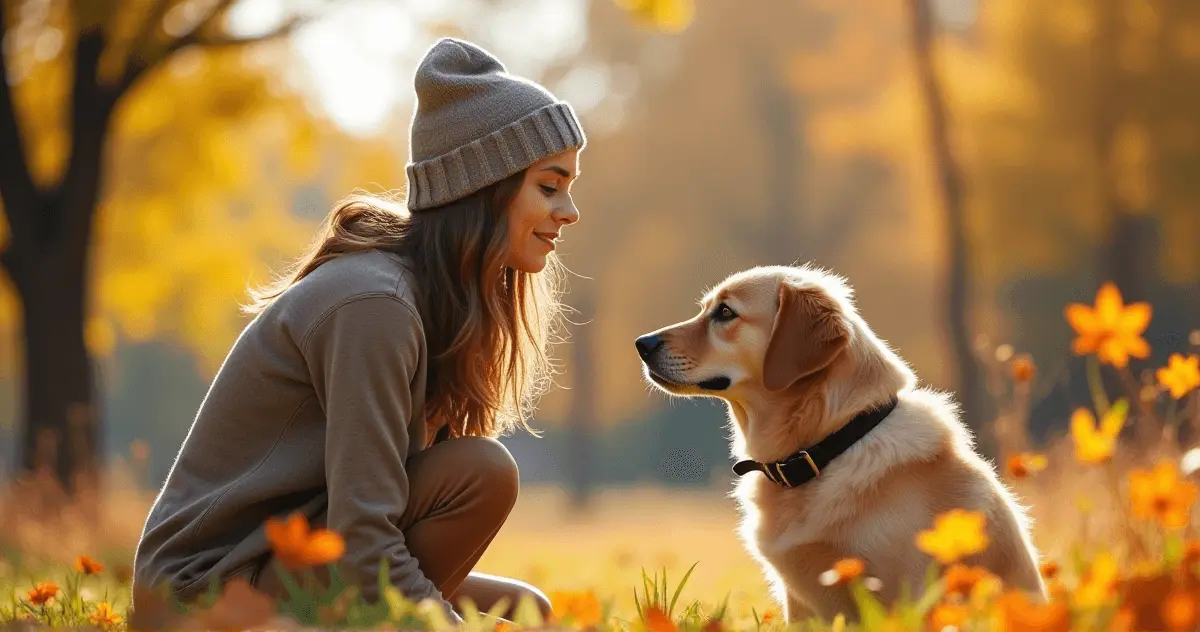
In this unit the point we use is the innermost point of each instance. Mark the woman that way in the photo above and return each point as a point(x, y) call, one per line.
point(368, 390)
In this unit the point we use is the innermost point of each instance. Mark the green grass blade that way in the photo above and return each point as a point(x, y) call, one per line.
point(679, 589)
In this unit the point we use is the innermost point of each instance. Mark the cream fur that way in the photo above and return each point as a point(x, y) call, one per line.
point(871, 501)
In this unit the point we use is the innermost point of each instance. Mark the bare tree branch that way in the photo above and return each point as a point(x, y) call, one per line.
point(17, 188)
point(145, 34)
point(201, 36)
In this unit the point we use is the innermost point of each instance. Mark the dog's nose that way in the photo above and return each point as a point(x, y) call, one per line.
point(647, 345)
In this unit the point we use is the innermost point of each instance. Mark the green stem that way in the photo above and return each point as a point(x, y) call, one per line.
point(1172, 404)
point(1099, 397)
point(289, 582)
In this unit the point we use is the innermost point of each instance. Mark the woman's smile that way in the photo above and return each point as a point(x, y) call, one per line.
point(549, 238)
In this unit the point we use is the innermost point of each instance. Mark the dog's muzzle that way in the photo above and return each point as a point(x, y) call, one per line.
point(648, 348)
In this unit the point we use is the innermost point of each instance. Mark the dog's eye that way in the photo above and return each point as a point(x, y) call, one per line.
point(724, 313)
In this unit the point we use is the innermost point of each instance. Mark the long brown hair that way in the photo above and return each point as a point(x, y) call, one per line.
point(487, 326)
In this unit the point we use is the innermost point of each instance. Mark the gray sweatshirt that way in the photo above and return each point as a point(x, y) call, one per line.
point(317, 405)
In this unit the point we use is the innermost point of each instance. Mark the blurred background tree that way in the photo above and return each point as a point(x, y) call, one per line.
point(215, 135)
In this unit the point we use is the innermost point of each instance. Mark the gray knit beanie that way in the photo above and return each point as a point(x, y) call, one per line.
point(475, 124)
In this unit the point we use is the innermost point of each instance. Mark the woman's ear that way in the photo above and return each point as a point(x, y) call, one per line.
point(807, 336)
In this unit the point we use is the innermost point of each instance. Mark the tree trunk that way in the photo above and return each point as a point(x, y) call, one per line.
point(59, 431)
point(48, 261)
point(958, 283)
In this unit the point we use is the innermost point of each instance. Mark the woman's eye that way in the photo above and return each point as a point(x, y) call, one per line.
point(548, 190)
point(724, 313)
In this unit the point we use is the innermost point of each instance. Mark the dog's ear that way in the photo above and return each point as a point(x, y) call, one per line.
point(808, 334)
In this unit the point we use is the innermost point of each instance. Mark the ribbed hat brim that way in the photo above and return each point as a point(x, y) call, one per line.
point(536, 136)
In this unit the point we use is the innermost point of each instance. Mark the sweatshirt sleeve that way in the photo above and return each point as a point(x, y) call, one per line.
point(362, 357)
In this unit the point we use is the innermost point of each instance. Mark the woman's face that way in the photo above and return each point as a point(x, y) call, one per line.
point(540, 210)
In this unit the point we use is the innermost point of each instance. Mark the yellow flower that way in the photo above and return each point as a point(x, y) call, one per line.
point(956, 534)
point(104, 616)
point(1026, 464)
point(1160, 494)
point(296, 546)
point(580, 607)
point(666, 15)
point(1111, 330)
point(1180, 375)
point(1099, 582)
point(87, 565)
point(42, 592)
point(1095, 445)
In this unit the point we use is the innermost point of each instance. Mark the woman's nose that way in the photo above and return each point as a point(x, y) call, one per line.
point(568, 214)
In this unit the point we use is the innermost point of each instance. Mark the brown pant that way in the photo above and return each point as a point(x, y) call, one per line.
point(460, 493)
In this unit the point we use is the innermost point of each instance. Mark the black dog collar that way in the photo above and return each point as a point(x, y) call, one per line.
point(807, 464)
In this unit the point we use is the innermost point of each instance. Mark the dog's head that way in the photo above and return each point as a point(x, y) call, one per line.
point(762, 330)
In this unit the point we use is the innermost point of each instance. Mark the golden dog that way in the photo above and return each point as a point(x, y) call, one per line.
point(842, 454)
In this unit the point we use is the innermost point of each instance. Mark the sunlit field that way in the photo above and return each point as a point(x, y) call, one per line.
point(1112, 500)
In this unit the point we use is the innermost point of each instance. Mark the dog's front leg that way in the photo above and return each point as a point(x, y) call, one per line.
point(800, 568)
point(796, 611)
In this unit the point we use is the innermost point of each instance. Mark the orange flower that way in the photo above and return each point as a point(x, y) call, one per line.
point(1096, 445)
point(1111, 330)
point(104, 616)
point(1022, 368)
point(42, 592)
point(296, 546)
point(1015, 613)
point(1161, 495)
point(946, 615)
point(1191, 552)
point(503, 626)
point(579, 607)
point(961, 579)
point(1180, 611)
point(1026, 464)
point(1180, 375)
point(1099, 583)
point(768, 617)
point(658, 621)
point(1145, 600)
point(956, 534)
point(1049, 570)
point(88, 566)
point(843, 572)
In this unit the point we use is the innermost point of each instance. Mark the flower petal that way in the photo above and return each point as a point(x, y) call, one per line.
point(1108, 305)
point(1085, 344)
point(1136, 346)
point(1134, 318)
point(1082, 319)
point(1083, 424)
point(323, 547)
point(1113, 352)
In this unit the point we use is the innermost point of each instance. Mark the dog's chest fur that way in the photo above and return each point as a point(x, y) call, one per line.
point(814, 525)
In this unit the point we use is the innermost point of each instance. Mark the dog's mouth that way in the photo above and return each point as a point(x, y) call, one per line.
point(718, 383)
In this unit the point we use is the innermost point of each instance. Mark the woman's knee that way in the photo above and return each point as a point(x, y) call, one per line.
point(491, 469)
